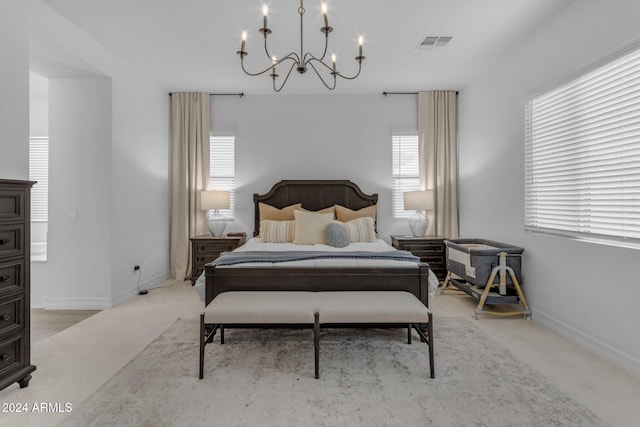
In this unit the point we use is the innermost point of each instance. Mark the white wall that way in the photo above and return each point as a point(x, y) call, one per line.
point(314, 137)
point(586, 291)
point(14, 87)
point(79, 246)
point(132, 167)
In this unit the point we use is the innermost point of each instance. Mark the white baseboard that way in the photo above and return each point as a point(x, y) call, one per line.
point(77, 303)
point(83, 303)
point(612, 354)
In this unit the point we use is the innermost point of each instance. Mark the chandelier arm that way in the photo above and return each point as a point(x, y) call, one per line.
point(285, 79)
point(320, 76)
point(269, 68)
point(313, 58)
point(352, 77)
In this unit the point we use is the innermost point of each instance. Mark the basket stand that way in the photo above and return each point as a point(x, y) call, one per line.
point(487, 297)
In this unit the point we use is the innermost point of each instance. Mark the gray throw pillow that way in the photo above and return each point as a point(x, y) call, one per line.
point(336, 235)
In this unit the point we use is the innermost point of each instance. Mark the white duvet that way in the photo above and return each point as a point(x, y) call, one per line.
point(255, 244)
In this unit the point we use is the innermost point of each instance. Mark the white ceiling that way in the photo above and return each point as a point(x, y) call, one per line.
point(189, 45)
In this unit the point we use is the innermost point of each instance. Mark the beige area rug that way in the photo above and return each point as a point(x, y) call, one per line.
point(367, 378)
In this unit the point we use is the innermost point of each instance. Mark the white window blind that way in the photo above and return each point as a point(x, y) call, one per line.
point(39, 171)
point(582, 156)
point(222, 169)
point(405, 176)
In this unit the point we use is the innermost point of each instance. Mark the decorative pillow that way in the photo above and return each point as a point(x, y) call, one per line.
point(361, 229)
point(277, 231)
point(274, 214)
point(309, 228)
point(330, 209)
point(345, 214)
point(336, 235)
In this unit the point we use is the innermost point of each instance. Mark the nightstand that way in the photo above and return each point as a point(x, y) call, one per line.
point(205, 249)
point(429, 249)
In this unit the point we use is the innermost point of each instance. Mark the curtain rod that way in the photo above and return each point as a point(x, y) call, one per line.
point(240, 94)
point(403, 93)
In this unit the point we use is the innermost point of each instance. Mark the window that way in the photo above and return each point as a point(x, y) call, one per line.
point(39, 171)
point(582, 156)
point(222, 169)
point(405, 171)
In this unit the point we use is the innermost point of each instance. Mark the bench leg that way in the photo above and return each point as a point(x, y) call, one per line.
point(202, 333)
point(430, 332)
point(221, 334)
point(428, 339)
point(409, 334)
point(316, 343)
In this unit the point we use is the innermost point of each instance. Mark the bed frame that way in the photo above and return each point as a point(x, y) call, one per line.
point(314, 195)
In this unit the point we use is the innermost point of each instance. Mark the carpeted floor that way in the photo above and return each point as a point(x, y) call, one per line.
point(367, 378)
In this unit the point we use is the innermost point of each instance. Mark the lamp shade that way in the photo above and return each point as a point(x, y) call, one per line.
point(214, 200)
point(418, 200)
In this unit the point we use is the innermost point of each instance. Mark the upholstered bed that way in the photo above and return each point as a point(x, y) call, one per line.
point(335, 269)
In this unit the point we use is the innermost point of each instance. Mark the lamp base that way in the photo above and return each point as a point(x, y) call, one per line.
point(418, 224)
point(217, 224)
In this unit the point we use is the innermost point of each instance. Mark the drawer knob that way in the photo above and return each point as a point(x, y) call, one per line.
point(5, 317)
point(4, 278)
point(4, 241)
point(4, 357)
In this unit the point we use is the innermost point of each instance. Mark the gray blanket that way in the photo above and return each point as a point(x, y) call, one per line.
point(232, 258)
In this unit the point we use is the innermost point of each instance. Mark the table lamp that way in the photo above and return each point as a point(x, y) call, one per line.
point(418, 200)
point(215, 200)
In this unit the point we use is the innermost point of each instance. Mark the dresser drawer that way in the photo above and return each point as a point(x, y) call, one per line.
point(11, 354)
point(10, 316)
point(215, 248)
point(11, 205)
point(11, 276)
point(11, 240)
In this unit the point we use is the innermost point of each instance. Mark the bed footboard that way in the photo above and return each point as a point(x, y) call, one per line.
point(410, 279)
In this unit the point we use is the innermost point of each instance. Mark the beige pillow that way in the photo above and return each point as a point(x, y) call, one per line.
point(274, 214)
point(361, 229)
point(309, 228)
point(345, 214)
point(330, 209)
point(277, 231)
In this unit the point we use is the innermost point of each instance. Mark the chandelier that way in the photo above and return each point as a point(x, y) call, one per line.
point(303, 60)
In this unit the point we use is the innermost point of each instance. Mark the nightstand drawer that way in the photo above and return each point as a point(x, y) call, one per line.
point(424, 249)
point(431, 257)
point(10, 315)
point(11, 240)
point(11, 276)
point(11, 205)
point(214, 248)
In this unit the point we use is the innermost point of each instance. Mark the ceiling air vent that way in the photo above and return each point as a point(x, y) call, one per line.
point(434, 42)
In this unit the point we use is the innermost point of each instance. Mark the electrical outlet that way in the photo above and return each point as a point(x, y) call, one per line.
point(136, 267)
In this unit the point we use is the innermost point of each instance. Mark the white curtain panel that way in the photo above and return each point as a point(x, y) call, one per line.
point(438, 148)
point(190, 130)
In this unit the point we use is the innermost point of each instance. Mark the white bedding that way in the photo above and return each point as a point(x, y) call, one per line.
point(255, 244)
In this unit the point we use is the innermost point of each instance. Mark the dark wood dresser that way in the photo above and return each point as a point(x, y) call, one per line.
point(15, 304)
point(429, 249)
point(205, 249)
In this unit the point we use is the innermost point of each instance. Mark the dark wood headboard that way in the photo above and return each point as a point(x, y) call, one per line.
point(314, 195)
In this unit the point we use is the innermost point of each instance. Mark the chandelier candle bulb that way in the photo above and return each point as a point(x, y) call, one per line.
point(244, 39)
point(333, 59)
point(323, 6)
point(265, 12)
point(360, 42)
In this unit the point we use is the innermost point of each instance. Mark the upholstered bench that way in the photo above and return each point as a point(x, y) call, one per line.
point(301, 309)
